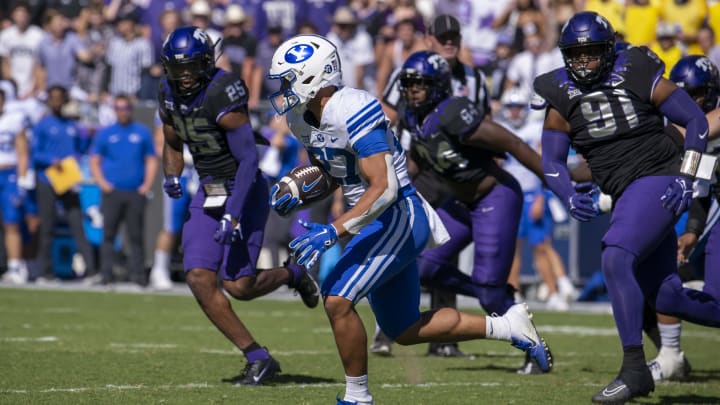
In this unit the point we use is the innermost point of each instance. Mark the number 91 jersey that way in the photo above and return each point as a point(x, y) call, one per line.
point(614, 124)
point(196, 122)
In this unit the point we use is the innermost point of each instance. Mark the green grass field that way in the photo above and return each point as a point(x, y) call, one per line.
point(76, 347)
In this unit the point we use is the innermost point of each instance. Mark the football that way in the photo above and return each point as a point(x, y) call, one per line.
point(308, 183)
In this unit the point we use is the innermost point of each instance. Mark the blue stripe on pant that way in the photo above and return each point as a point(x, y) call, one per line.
point(379, 263)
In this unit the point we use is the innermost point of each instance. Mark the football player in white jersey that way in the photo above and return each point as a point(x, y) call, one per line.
point(347, 134)
point(14, 158)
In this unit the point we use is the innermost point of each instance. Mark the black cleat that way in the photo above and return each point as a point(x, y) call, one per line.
point(307, 287)
point(381, 345)
point(258, 372)
point(447, 350)
point(629, 384)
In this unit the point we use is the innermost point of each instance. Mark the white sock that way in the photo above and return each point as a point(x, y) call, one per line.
point(356, 390)
point(564, 285)
point(670, 335)
point(162, 260)
point(497, 327)
point(16, 265)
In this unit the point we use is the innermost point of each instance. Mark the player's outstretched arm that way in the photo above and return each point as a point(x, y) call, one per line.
point(681, 109)
point(491, 135)
point(379, 171)
point(713, 118)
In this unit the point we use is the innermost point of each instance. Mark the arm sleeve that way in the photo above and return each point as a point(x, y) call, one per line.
point(241, 142)
point(681, 109)
point(555, 146)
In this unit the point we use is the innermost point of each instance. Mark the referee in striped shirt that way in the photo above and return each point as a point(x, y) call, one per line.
point(444, 38)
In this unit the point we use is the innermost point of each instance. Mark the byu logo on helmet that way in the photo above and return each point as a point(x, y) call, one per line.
point(299, 53)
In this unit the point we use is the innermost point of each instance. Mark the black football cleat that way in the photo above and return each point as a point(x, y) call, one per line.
point(307, 287)
point(629, 384)
point(258, 372)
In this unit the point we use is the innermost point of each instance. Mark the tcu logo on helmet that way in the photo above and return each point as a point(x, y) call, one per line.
point(200, 35)
point(602, 21)
point(299, 53)
point(704, 64)
point(437, 61)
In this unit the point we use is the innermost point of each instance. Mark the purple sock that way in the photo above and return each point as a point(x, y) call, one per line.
point(296, 272)
point(254, 353)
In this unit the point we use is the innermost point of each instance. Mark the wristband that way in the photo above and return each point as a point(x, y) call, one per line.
point(690, 163)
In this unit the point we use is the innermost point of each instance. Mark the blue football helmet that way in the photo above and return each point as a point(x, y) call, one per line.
point(429, 70)
point(585, 38)
point(188, 57)
point(699, 77)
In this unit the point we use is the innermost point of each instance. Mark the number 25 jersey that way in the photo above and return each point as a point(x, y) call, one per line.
point(196, 122)
point(614, 124)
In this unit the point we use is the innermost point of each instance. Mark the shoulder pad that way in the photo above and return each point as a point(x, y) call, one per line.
point(459, 116)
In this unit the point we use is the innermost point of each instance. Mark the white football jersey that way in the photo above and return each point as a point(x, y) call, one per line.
point(348, 116)
point(11, 124)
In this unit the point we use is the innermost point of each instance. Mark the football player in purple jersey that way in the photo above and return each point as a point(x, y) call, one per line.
point(699, 77)
point(610, 106)
point(485, 201)
point(206, 108)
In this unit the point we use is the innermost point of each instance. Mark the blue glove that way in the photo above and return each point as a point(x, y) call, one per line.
point(678, 195)
point(172, 186)
point(308, 248)
point(284, 204)
point(581, 204)
point(226, 233)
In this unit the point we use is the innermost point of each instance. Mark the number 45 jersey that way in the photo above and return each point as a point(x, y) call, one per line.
point(614, 124)
point(196, 122)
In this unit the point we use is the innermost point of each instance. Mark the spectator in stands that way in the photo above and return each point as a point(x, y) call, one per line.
point(260, 86)
point(59, 53)
point(521, 17)
point(687, 16)
point(18, 48)
point(128, 56)
point(706, 41)
point(641, 19)
point(239, 46)
point(169, 20)
point(354, 46)
point(408, 40)
point(56, 137)
point(666, 46)
point(91, 76)
point(124, 164)
point(320, 14)
point(533, 61)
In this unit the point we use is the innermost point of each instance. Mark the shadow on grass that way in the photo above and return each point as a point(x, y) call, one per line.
point(489, 367)
point(284, 379)
point(688, 399)
point(701, 376)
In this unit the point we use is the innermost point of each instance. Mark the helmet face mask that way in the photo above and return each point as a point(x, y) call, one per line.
point(587, 43)
point(303, 64)
point(425, 72)
point(188, 58)
point(699, 77)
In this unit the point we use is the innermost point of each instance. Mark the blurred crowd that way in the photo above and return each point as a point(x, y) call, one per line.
point(78, 66)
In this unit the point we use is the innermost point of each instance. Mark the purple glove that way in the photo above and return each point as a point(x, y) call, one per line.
point(226, 233)
point(172, 186)
point(581, 205)
point(308, 248)
point(678, 195)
